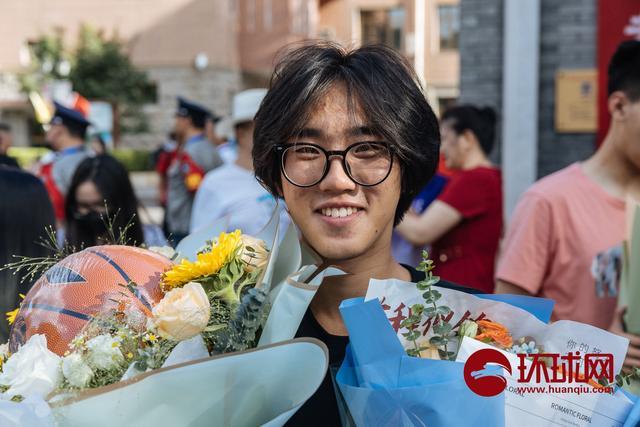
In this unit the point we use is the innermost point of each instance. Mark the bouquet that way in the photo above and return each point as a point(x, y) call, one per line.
point(215, 302)
point(411, 340)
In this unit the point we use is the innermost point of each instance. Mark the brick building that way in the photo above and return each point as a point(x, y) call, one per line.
point(207, 50)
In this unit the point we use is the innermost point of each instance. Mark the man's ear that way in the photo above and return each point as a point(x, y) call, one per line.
point(618, 103)
point(468, 139)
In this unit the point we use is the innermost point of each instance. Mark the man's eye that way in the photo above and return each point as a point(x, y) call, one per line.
point(369, 150)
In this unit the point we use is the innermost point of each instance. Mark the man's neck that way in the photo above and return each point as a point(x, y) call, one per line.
point(610, 168)
point(475, 160)
point(376, 264)
point(192, 132)
point(70, 143)
point(244, 159)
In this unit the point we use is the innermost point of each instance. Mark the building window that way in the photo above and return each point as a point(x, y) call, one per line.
point(449, 18)
point(384, 26)
point(267, 15)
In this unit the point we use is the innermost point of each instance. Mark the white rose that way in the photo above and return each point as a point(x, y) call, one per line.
point(254, 253)
point(104, 352)
point(4, 350)
point(76, 371)
point(32, 370)
point(183, 312)
point(167, 251)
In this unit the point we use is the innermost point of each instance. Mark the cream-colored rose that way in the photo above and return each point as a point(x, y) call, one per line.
point(254, 253)
point(32, 370)
point(76, 370)
point(183, 312)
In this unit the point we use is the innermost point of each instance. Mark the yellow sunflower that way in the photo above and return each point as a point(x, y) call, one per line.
point(206, 263)
point(11, 315)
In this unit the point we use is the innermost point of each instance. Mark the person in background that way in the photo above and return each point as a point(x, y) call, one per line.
point(195, 156)
point(5, 143)
point(66, 136)
point(464, 224)
point(568, 221)
point(25, 213)
point(101, 192)
point(404, 251)
point(249, 206)
point(222, 135)
point(162, 158)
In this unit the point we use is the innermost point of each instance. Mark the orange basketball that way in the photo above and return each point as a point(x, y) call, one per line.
point(83, 285)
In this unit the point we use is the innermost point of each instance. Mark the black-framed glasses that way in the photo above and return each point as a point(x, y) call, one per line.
point(366, 163)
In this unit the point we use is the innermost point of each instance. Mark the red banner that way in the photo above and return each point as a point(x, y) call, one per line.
point(618, 20)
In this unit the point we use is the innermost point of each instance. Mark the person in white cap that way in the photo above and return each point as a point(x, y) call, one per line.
point(231, 191)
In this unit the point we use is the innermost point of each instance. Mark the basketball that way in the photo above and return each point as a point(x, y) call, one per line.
point(83, 285)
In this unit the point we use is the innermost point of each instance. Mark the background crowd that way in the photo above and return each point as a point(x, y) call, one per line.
point(564, 240)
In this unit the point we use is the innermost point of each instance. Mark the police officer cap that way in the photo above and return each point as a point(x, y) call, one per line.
point(71, 119)
point(198, 113)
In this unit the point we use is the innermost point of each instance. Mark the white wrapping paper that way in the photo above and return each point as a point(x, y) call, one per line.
point(249, 388)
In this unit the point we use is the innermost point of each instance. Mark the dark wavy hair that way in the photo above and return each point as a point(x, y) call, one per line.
point(112, 181)
point(25, 213)
point(479, 120)
point(376, 78)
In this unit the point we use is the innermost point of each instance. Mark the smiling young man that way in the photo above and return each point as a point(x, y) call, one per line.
point(347, 138)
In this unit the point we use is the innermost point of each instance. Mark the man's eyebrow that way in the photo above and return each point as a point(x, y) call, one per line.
point(309, 133)
point(362, 130)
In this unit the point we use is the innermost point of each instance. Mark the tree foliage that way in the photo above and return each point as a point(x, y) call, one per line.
point(98, 68)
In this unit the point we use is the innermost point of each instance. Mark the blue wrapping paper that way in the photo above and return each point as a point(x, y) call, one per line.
point(384, 387)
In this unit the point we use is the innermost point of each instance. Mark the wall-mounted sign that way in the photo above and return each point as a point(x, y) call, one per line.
point(576, 101)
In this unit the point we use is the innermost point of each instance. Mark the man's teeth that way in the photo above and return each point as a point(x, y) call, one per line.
point(339, 212)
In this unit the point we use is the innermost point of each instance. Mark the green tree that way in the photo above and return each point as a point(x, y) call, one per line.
point(103, 71)
point(99, 69)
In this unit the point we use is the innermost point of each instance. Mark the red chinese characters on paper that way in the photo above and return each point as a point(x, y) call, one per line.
point(572, 367)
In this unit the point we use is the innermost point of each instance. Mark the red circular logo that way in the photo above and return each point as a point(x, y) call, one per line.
point(483, 372)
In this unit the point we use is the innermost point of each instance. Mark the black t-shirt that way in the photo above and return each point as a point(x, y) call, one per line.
point(322, 408)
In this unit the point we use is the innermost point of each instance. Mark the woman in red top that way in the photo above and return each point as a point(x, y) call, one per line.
point(464, 223)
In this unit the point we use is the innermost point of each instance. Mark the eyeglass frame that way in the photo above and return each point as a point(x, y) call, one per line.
point(281, 148)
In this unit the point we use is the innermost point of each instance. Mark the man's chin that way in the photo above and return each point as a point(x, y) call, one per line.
point(338, 251)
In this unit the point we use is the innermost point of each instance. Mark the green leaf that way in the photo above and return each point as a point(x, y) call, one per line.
point(442, 328)
point(429, 311)
point(412, 336)
point(443, 310)
point(417, 309)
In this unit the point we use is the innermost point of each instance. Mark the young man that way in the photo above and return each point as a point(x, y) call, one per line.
point(249, 206)
point(348, 139)
point(66, 136)
point(569, 222)
point(194, 157)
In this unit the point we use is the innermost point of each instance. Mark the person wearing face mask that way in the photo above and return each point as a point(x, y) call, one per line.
point(348, 139)
point(99, 191)
point(464, 223)
point(66, 136)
